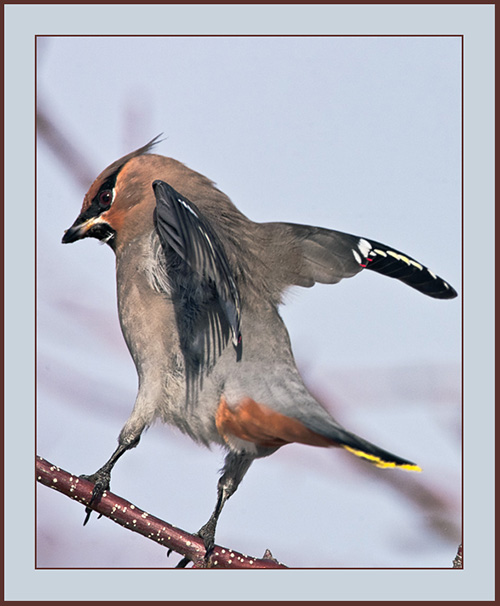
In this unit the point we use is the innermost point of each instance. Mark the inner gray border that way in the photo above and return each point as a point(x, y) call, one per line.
point(475, 582)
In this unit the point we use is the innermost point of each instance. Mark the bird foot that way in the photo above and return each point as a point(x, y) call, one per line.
point(207, 533)
point(101, 480)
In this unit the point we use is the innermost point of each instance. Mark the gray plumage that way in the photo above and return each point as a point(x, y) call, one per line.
point(194, 274)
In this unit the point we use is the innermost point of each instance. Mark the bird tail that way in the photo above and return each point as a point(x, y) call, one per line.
point(382, 458)
point(340, 437)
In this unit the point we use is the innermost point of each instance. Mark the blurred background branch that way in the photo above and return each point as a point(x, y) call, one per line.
point(72, 160)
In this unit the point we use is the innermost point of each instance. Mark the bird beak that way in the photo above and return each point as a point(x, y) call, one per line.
point(77, 231)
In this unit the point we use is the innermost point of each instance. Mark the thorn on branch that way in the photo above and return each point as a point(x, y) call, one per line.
point(457, 562)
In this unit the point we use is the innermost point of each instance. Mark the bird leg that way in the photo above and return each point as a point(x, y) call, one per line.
point(101, 478)
point(235, 467)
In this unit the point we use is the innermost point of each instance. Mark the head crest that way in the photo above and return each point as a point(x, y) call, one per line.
point(112, 168)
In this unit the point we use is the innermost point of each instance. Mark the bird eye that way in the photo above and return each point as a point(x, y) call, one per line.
point(105, 198)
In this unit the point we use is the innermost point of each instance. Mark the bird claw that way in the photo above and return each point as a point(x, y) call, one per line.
point(183, 563)
point(207, 533)
point(101, 480)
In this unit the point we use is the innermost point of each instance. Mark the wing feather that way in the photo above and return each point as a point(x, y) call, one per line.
point(328, 256)
point(183, 226)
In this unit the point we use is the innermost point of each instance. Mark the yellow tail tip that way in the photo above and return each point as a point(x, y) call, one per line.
point(380, 462)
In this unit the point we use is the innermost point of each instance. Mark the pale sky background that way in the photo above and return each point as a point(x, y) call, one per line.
point(358, 134)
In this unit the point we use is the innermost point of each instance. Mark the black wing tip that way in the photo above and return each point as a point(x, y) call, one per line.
point(166, 194)
point(158, 183)
point(162, 187)
point(395, 264)
point(448, 292)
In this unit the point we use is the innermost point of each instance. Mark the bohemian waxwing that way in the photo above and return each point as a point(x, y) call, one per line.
point(198, 288)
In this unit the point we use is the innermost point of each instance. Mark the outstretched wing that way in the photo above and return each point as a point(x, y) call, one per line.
point(182, 226)
point(328, 256)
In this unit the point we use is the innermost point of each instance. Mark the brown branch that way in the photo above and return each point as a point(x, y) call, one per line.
point(129, 516)
point(458, 561)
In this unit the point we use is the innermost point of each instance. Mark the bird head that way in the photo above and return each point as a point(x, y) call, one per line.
point(120, 202)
